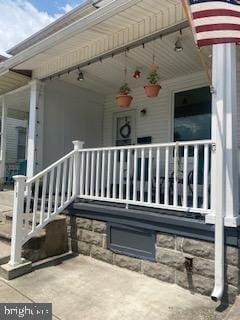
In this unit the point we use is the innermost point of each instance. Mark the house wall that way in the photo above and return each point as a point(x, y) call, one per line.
point(12, 138)
point(71, 113)
point(158, 121)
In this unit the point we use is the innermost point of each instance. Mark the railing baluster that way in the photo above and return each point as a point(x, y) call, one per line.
point(92, 174)
point(109, 174)
point(135, 171)
point(166, 191)
point(103, 174)
point(157, 191)
point(185, 175)
point(70, 178)
point(175, 176)
point(87, 173)
point(142, 180)
point(195, 177)
point(82, 173)
point(57, 187)
point(50, 193)
point(128, 175)
point(35, 205)
point(64, 178)
point(43, 203)
point(114, 173)
point(28, 203)
point(121, 175)
point(205, 179)
point(97, 174)
point(150, 175)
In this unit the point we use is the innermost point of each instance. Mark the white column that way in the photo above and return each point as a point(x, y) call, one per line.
point(224, 195)
point(35, 131)
point(3, 140)
point(232, 153)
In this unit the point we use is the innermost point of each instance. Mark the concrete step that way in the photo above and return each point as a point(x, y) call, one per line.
point(48, 242)
point(6, 199)
point(5, 250)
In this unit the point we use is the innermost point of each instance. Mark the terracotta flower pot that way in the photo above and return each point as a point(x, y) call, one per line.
point(124, 101)
point(152, 90)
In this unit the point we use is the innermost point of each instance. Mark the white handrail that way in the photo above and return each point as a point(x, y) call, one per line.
point(155, 145)
point(52, 166)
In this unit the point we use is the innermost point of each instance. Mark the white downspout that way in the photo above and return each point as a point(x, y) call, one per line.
point(225, 202)
point(218, 159)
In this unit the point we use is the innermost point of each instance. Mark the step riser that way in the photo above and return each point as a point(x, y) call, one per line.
point(4, 260)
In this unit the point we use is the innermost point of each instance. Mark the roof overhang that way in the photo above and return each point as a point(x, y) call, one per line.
point(11, 80)
point(113, 26)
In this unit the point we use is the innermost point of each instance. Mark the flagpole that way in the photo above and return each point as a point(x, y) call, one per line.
point(199, 51)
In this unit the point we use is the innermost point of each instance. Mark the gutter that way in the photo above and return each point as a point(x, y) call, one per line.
point(77, 27)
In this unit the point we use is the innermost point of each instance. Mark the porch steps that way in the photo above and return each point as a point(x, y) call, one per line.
point(49, 242)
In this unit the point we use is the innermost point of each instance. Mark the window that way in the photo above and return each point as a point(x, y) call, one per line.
point(21, 146)
point(192, 115)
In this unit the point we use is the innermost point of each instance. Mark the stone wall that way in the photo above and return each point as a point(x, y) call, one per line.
point(89, 237)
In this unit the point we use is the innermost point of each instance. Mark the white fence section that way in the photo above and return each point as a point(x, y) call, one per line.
point(173, 176)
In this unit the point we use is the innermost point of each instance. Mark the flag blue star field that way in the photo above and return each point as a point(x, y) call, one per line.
point(215, 21)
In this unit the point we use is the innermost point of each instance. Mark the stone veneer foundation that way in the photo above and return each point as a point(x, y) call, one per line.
point(89, 237)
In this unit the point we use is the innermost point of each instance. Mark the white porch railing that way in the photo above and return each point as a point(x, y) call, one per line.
point(38, 200)
point(173, 176)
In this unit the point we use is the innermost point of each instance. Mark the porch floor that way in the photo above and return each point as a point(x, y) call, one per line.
point(84, 288)
point(190, 215)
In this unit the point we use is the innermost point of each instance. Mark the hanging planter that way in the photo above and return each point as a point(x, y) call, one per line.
point(123, 99)
point(153, 87)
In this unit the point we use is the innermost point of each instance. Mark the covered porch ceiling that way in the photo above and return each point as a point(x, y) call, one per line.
point(11, 80)
point(18, 103)
point(115, 25)
point(107, 76)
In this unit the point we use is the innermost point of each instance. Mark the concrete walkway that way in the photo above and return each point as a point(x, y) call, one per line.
point(86, 289)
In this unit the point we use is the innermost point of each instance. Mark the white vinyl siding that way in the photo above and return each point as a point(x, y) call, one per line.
point(158, 120)
point(71, 113)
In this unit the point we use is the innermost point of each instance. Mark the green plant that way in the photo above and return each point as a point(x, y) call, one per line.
point(153, 77)
point(124, 89)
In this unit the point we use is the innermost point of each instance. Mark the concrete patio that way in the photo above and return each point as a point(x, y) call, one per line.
point(87, 289)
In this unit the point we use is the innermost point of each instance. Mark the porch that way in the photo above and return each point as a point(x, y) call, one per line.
point(131, 157)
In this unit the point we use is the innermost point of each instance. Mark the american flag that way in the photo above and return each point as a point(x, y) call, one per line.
point(215, 21)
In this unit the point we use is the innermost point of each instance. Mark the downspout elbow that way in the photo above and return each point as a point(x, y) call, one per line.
point(218, 290)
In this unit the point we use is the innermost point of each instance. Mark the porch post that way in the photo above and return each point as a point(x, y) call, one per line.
point(78, 145)
point(3, 141)
point(232, 152)
point(225, 170)
point(35, 131)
